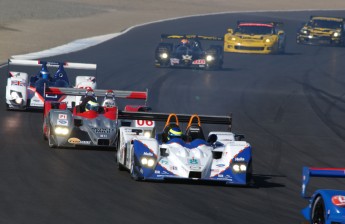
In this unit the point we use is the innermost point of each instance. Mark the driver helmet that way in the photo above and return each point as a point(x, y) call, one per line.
point(184, 41)
point(92, 105)
point(109, 103)
point(174, 132)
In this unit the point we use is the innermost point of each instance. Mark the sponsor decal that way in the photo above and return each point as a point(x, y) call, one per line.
point(240, 159)
point(85, 142)
point(141, 171)
point(215, 170)
point(62, 122)
point(63, 116)
point(193, 161)
point(199, 62)
point(338, 200)
point(51, 96)
point(164, 162)
point(195, 167)
point(103, 136)
point(187, 57)
point(174, 61)
point(220, 175)
point(103, 130)
point(73, 140)
point(17, 83)
point(173, 168)
point(157, 172)
point(148, 154)
point(220, 165)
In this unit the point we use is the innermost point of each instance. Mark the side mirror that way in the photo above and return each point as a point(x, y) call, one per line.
point(230, 31)
point(280, 32)
point(164, 152)
point(212, 138)
point(239, 137)
point(78, 122)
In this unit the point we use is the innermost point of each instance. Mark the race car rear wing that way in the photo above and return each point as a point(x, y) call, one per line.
point(71, 65)
point(141, 95)
point(273, 23)
point(319, 172)
point(206, 119)
point(191, 36)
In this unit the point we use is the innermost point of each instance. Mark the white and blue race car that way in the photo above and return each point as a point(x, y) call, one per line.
point(25, 91)
point(223, 157)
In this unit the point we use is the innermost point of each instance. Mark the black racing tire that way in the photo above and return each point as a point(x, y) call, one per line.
point(249, 175)
point(51, 142)
point(133, 172)
point(281, 49)
point(318, 212)
point(119, 166)
point(44, 135)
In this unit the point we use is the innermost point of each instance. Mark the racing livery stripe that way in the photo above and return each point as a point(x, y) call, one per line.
point(137, 95)
point(37, 93)
point(336, 169)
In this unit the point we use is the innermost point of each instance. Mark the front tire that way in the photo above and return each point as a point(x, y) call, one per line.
point(318, 212)
point(133, 171)
point(51, 142)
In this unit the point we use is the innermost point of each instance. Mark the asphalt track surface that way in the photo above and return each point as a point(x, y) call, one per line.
point(290, 108)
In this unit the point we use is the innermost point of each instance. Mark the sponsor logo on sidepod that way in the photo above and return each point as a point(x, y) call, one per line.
point(73, 140)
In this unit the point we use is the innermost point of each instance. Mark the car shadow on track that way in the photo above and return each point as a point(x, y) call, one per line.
point(264, 181)
point(258, 181)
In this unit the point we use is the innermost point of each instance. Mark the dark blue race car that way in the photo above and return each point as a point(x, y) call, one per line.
point(325, 206)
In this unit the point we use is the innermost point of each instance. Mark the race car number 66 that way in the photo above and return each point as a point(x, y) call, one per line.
point(144, 123)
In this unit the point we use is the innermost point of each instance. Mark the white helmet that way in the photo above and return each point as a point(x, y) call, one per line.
point(109, 103)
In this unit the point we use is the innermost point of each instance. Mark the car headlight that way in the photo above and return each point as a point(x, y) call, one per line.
point(268, 40)
point(236, 167)
point(19, 100)
point(336, 34)
point(147, 134)
point(147, 161)
point(150, 162)
point(17, 97)
point(233, 38)
point(304, 31)
point(239, 167)
point(164, 55)
point(144, 161)
point(14, 95)
point(243, 167)
point(209, 58)
point(61, 130)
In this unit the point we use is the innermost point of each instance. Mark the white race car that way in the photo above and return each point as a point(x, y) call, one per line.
point(24, 91)
point(224, 157)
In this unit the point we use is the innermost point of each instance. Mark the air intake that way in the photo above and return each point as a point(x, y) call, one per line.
point(104, 142)
point(193, 174)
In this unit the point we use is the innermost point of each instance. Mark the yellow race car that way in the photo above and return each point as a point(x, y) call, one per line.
point(256, 37)
point(321, 30)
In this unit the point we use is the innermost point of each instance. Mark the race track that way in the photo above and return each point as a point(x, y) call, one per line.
point(290, 107)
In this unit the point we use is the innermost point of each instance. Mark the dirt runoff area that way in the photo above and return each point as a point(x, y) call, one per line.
point(34, 25)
